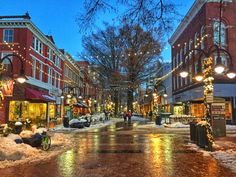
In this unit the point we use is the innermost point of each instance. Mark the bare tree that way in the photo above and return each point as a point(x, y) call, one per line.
point(126, 56)
point(142, 53)
point(147, 13)
point(104, 47)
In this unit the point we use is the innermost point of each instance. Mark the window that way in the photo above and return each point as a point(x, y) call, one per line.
point(181, 56)
point(8, 35)
point(174, 82)
point(195, 42)
point(219, 39)
point(202, 37)
point(37, 45)
point(177, 83)
point(185, 48)
point(58, 61)
point(58, 83)
point(173, 62)
point(50, 54)
point(195, 67)
point(6, 62)
point(49, 75)
point(40, 71)
point(190, 74)
point(55, 79)
point(190, 48)
point(33, 68)
point(177, 60)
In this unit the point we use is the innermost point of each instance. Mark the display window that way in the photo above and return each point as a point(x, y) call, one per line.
point(22, 110)
point(178, 110)
point(197, 110)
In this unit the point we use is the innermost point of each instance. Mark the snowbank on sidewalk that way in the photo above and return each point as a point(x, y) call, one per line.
point(61, 128)
point(176, 125)
point(12, 154)
point(226, 158)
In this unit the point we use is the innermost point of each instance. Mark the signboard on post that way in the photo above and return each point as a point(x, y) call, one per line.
point(209, 98)
point(218, 119)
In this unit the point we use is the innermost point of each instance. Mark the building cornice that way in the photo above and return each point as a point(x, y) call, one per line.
point(197, 5)
point(25, 23)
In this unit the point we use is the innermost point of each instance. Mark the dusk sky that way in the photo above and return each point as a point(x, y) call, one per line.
point(57, 18)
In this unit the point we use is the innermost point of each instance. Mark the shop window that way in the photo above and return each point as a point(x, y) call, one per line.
point(8, 35)
point(228, 110)
point(22, 110)
point(197, 110)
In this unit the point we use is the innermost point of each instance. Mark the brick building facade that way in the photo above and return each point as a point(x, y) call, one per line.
point(199, 29)
point(43, 63)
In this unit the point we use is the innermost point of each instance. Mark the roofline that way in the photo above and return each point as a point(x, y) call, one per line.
point(197, 5)
point(27, 23)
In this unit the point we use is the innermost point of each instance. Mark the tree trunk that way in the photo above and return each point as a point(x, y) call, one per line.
point(116, 101)
point(130, 99)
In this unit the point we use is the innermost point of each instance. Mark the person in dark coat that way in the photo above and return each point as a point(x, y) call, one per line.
point(129, 115)
point(125, 116)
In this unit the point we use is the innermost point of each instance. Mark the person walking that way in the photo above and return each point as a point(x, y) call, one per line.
point(129, 115)
point(125, 116)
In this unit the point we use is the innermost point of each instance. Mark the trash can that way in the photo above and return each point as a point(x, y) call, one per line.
point(202, 136)
point(158, 120)
point(66, 121)
point(18, 127)
point(193, 131)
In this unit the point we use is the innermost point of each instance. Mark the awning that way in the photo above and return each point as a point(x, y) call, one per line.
point(80, 105)
point(32, 94)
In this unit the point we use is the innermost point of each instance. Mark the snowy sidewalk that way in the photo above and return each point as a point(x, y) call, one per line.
point(224, 151)
point(61, 128)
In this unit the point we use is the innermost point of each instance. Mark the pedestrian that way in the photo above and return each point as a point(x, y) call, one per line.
point(106, 114)
point(129, 115)
point(150, 115)
point(125, 116)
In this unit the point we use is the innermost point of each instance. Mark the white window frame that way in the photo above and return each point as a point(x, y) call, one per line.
point(9, 38)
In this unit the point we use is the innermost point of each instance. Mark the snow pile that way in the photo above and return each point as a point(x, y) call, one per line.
point(176, 125)
point(61, 128)
point(12, 154)
point(231, 127)
point(226, 158)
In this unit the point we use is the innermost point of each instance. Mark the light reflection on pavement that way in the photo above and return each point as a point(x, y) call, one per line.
point(122, 150)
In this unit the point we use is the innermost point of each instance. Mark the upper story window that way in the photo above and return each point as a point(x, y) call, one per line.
point(8, 35)
point(219, 35)
point(181, 55)
point(6, 62)
point(33, 68)
point(190, 48)
point(202, 37)
point(173, 62)
point(50, 55)
point(185, 48)
point(50, 75)
point(58, 61)
point(37, 45)
point(195, 42)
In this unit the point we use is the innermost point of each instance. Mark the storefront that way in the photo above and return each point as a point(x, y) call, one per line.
point(28, 102)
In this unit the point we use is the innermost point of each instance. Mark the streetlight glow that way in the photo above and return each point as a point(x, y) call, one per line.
point(165, 95)
point(183, 74)
point(231, 74)
point(199, 78)
point(219, 69)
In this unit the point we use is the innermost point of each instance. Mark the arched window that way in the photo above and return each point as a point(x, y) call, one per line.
point(202, 37)
point(221, 36)
point(190, 48)
point(195, 42)
point(181, 55)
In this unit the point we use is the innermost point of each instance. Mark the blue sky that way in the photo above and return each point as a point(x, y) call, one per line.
point(57, 18)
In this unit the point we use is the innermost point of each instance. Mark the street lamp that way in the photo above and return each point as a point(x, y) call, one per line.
point(21, 78)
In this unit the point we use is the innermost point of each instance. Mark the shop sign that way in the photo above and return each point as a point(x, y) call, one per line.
point(218, 110)
point(209, 98)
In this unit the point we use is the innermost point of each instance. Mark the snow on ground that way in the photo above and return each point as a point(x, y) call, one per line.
point(12, 154)
point(176, 125)
point(61, 128)
point(225, 157)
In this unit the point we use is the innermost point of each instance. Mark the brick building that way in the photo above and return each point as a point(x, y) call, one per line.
point(43, 62)
point(200, 29)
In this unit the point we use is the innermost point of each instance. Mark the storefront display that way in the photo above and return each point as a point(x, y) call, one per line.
point(22, 110)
